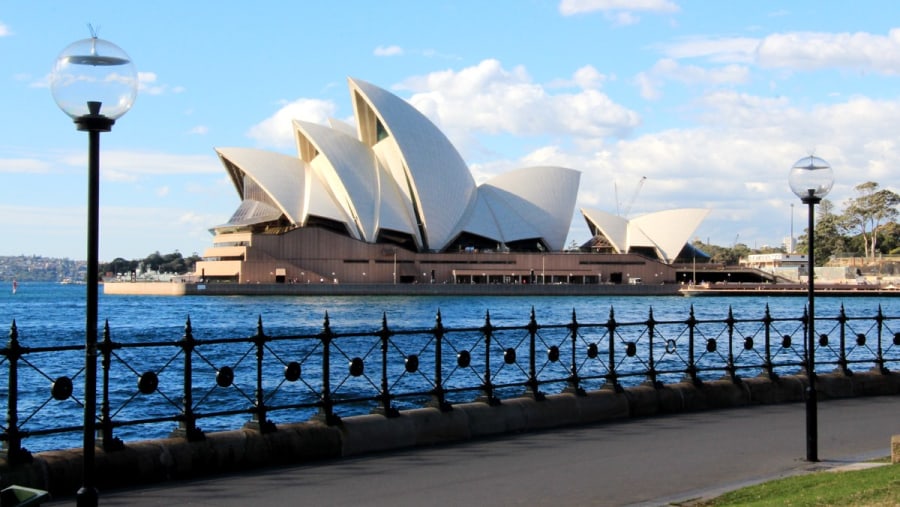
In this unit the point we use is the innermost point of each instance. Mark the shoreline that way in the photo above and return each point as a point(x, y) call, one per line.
point(346, 289)
point(821, 290)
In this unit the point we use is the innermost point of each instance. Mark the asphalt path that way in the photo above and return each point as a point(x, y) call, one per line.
point(648, 461)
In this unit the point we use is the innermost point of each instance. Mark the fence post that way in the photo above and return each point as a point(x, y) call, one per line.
point(612, 377)
point(260, 422)
point(13, 451)
point(437, 394)
point(326, 404)
point(806, 352)
point(487, 386)
point(187, 421)
point(384, 396)
point(107, 440)
point(769, 366)
point(691, 370)
point(843, 365)
point(730, 369)
point(574, 381)
point(879, 361)
point(651, 370)
point(532, 383)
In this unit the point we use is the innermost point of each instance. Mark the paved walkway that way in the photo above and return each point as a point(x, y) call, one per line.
point(652, 461)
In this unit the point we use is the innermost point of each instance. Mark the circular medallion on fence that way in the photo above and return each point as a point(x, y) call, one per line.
point(896, 338)
point(823, 340)
point(509, 356)
point(670, 346)
point(61, 388)
point(860, 339)
point(411, 363)
point(630, 349)
point(748, 343)
point(553, 353)
point(786, 341)
point(225, 376)
point(292, 371)
point(463, 359)
point(711, 345)
point(593, 351)
point(357, 366)
point(148, 382)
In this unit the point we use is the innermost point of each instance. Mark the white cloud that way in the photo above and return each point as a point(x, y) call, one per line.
point(161, 229)
point(651, 82)
point(587, 77)
point(130, 165)
point(199, 130)
point(163, 191)
point(816, 50)
point(625, 18)
point(388, 51)
point(192, 218)
point(276, 131)
point(24, 165)
point(714, 49)
point(147, 85)
point(737, 160)
point(4, 30)
point(793, 51)
point(490, 99)
point(573, 7)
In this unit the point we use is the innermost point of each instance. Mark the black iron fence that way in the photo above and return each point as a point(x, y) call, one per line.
point(156, 388)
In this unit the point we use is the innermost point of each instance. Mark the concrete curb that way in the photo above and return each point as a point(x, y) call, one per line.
point(146, 462)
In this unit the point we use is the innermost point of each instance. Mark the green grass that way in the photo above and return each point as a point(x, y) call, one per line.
point(873, 487)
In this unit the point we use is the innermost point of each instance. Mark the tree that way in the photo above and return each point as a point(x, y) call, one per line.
point(890, 237)
point(866, 213)
point(829, 240)
point(119, 265)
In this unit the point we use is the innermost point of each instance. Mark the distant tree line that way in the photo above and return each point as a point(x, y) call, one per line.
point(161, 263)
point(867, 227)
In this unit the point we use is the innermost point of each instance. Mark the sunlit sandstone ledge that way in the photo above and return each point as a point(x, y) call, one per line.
point(145, 462)
point(360, 289)
point(424, 289)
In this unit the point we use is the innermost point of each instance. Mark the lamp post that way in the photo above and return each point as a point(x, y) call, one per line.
point(811, 179)
point(94, 82)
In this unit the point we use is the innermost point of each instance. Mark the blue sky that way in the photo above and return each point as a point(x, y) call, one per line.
point(712, 102)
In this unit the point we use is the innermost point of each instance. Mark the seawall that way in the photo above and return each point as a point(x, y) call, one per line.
point(146, 462)
point(374, 289)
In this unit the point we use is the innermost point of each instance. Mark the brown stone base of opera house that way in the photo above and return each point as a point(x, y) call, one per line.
point(312, 255)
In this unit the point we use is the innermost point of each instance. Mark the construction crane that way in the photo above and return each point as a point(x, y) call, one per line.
point(630, 203)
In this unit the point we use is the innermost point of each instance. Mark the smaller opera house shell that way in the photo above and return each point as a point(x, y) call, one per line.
point(390, 200)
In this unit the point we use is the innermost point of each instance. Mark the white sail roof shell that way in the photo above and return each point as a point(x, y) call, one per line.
point(398, 172)
point(441, 186)
point(361, 186)
point(280, 176)
point(542, 200)
point(665, 231)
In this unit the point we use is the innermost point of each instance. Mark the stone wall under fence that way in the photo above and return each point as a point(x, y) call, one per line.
point(154, 461)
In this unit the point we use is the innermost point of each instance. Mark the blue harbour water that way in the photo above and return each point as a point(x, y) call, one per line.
point(48, 314)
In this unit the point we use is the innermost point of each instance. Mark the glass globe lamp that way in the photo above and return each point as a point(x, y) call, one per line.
point(94, 71)
point(811, 178)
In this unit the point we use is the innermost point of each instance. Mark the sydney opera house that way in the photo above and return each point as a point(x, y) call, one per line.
point(390, 200)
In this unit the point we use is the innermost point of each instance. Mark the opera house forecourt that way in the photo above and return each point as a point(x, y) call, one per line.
point(391, 201)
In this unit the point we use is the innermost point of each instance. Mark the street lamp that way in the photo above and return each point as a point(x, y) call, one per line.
point(811, 179)
point(94, 82)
